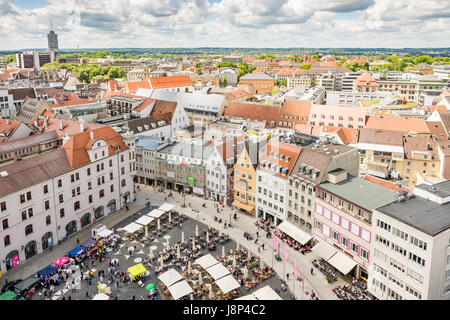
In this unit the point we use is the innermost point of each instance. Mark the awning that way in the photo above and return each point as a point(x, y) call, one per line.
point(180, 289)
point(342, 262)
point(100, 296)
point(105, 233)
point(170, 277)
point(137, 270)
point(132, 227)
point(266, 293)
point(89, 243)
point(218, 271)
point(243, 206)
point(166, 207)
point(61, 261)
point(8, 295)
point(26, 284)
point(76, 251)
point(227, 284)
point(144, 220)
point(155, 213)
point(294, 232)
point(206, 261)
point(324, 250)
point(48, 270)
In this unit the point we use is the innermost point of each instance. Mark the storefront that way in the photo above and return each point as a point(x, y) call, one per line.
point(30, 249)
point(47, 241)
point(12, 259)
point(85, 220)
point(99, 212)
point(71, 228)
point(111, 206)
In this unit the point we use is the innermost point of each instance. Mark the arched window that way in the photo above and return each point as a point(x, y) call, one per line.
point(28, 229)
point(101, 193)
point(7, 240)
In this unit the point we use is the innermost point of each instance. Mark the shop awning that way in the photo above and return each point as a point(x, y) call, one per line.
point(324, 250)
point(61, 261)
point(170, 277)
point(294, 232)
point(156, 213)
point(166, 207)
point(8, 295)
point(26, 284)
point(100, 296)
point(243, 206)
point(342, 262)
point(132, 227)
point(218, 271)
point(206, 261)
point(48, 270)
point(105, 233)
point(89, 243)
point(76, 251)
point(227, 284)
point(137, 270)
point(144, 220)
point(180, 289)
point(266, 293)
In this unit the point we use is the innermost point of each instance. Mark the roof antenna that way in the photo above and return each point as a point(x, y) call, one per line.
point(51, 25)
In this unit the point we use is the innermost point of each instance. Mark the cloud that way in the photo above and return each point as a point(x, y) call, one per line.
point(245, 23)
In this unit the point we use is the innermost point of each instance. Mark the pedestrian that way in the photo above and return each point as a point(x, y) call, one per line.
point(312, 271)
point(262, 246)
point(134, 298)
point(287, 276)
point(257, 234)
point(70, 298)
point(259, 249)
point(87, 294)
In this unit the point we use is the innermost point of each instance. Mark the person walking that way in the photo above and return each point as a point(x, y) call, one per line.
point(312, 271)
point(262, 246)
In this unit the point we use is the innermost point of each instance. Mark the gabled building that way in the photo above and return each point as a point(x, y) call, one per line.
point(11, 130)
point(30, 110)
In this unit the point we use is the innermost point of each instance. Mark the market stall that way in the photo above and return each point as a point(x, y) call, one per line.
point(206, 261)
point(28, 286)
point(156, 213)
point(145, 220)
point(100, 296)
point(218, 271)
point(8, 295)
point(48, 270)
point(166, 207)
point(77, 252)
point(61, 261)
point(266, 293)
point(136, 270)
point(91, 245)
point(180, 289)
point(132, 227)
point(170, 277)
point(227, 284)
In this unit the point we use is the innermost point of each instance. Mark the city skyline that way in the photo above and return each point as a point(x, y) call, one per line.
point(225, 23)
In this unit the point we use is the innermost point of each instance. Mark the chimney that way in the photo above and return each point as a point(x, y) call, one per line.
point(91, 133)
point(61, 124)
point(7, 122)
point(81, 127)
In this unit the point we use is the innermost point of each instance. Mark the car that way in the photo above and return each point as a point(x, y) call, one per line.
point(11, 284)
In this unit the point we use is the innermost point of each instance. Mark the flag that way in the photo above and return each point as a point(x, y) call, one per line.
point(286, 253)
point(275, 246)
point(295, 269)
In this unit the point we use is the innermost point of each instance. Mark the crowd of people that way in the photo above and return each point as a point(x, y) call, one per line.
point(326, 269)
point(356, 290)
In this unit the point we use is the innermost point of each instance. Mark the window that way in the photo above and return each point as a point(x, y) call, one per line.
point(7, 240)
point(341, 203)
point(59, 183)
point(45, 189)
point(48, 220)
point(123, 183)
point(24, 215)
point(344, 241)
point(61, 213)
point(30, 212)
point(3, 206)
point(350, 207)
point(28, 195)
point(22, 198)
point(5, 224)
point(90, 198)
point(28, 229)
point(326, 230)
point(354, 247)
point(89, 185)
point(47, 204)
point(76, 205)
point(318, 225)
point(334, 235)
point(88, 171)
point(364, 254)
point(418, 243)
point(416, 259)
point(111, 176)
point(101, 193)
point(61, 198)
point(111, 188)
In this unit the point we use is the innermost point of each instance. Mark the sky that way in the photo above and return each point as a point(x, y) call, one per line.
point(225, 23)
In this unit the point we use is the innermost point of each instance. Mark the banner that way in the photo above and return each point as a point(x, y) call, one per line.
point(286, 253)
point(275, 241)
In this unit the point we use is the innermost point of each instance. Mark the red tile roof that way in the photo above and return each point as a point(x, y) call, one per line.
point(147, 102)
point(280, 148)
point(366, 80)
point(7, 129)
point(386, 184)
point(253, 112)
point(405, 125)
point(132, 87)
point(170, 82)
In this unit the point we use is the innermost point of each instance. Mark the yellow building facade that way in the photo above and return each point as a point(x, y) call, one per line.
point(245, 183)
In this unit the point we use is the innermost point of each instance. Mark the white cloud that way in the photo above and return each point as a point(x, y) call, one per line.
point(228, 23)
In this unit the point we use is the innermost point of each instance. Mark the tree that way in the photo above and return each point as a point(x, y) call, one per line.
point(224, 81)
point(199, 71)
point(277, 83)
point(226, 64)
point(284, 82)
point(305, 66)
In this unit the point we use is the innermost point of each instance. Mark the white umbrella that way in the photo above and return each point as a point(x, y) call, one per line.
point(207, 237)
point(151, 253)
point(178, 252)
point(196, 230)
point(182, 237)
point(234, 261)
point(170, 217)
point(146, 231)
point(159, 225)
point(223, 251)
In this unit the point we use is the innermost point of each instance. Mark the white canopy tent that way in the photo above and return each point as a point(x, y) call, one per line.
point(342, 262)
point(324, 250)
point(105, 233)
point(145, 220)
point(155, 213)
point(294, 232)
point(166, 207)
point(266, 293)
point(180, 289)
point(132, 227)
point(227, 284)
point(170, 277)
point(218, 271)
point(206, 261)
point(100, 296)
